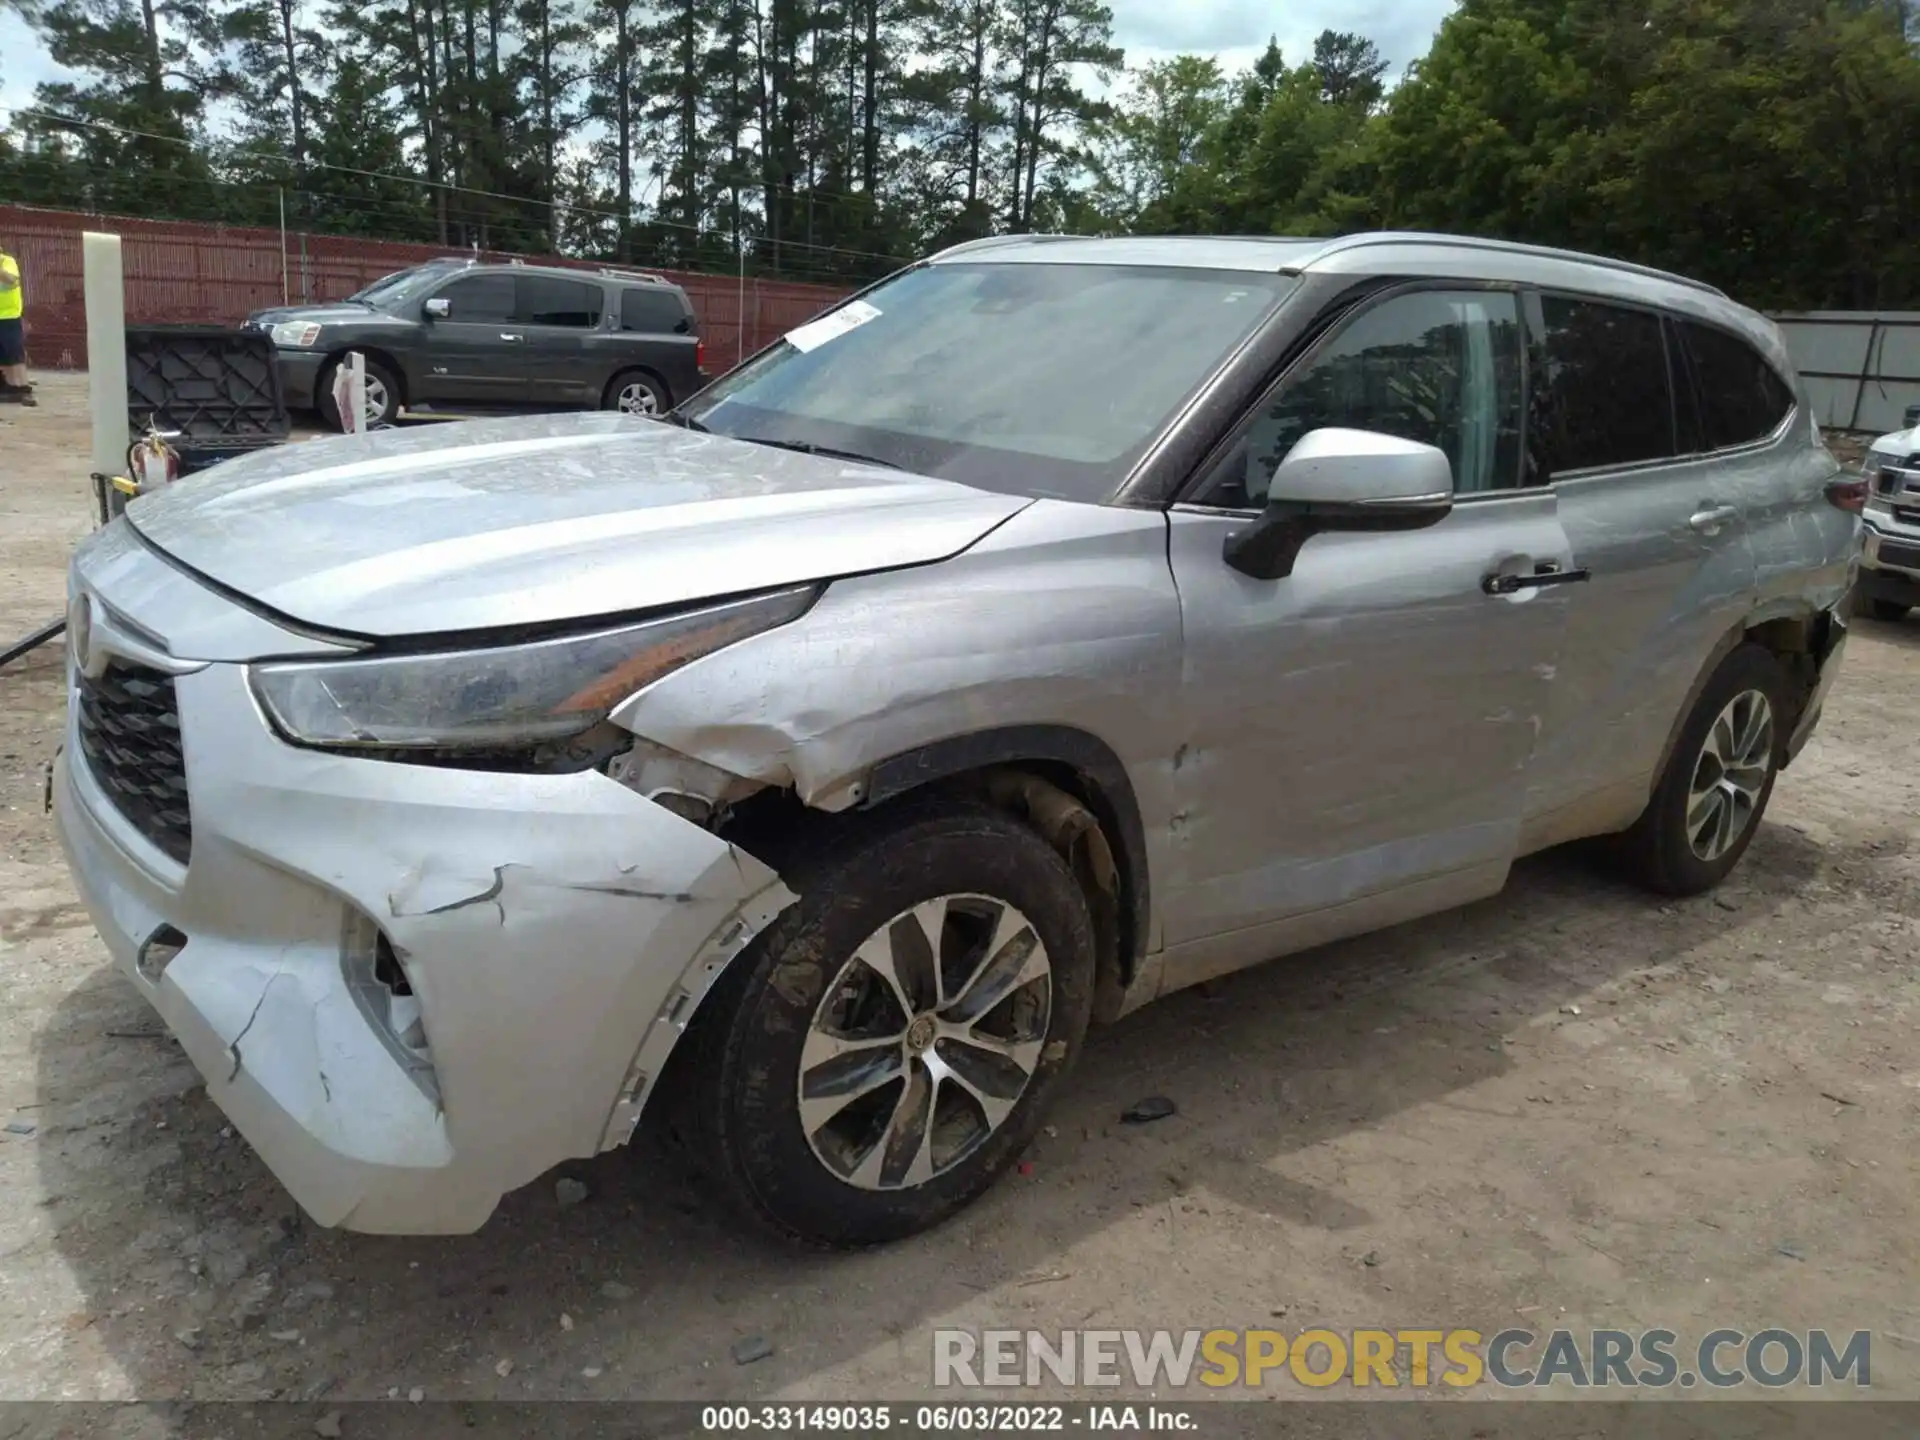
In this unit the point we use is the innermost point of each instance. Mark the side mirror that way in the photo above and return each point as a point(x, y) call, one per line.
point(1342, 480)
point(437, 308)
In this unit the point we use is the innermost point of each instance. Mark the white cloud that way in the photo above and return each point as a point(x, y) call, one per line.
point(1238, 30)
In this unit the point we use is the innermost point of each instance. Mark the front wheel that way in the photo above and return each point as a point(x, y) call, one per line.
point(634, 392)
point(1709, 799)
point(382, 396)
point(885, 1050)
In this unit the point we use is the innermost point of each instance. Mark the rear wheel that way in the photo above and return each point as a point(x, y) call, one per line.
point(635, 392)
point(1892, 611)
point(883, 1052)
point(1710, 798)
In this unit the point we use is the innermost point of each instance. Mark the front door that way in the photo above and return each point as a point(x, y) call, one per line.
point(1363, 726)
point(476, 354)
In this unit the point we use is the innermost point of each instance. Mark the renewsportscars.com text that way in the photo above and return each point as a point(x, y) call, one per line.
point(1415, 1358)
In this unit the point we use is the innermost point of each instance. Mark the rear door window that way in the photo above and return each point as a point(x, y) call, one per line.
point(1741, 398)
point(653, 312)
point(1603, 395)
point(549, 300)
point(480, 299)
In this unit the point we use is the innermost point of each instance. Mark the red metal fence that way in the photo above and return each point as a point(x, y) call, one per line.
point(181, 273)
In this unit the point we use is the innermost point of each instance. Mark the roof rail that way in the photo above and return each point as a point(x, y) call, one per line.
point(647, 276)
point(1344, 243)
point(1003, 242)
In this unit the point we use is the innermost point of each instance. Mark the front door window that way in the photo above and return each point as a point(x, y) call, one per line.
point(1441, 367)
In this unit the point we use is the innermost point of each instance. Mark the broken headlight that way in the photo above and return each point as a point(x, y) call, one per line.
point(499, 697)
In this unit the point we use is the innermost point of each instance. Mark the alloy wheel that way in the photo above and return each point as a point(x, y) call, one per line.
point(637, 398)
point(1730, 775)
point(925, 1041)
point(373, 404)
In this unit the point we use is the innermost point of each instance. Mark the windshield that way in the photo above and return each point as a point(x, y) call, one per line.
point(394, 289)
point(1031, 379)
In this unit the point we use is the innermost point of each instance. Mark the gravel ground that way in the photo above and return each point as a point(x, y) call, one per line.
point(1567, 1105)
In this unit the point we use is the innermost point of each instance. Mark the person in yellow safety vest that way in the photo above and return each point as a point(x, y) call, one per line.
point(14, 386)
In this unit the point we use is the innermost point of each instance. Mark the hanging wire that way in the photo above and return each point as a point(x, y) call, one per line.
point(567, 208)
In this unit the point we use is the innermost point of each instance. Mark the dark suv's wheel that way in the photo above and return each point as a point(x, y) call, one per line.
point(883, 1052)
point(1710, 798)
point(636, 392)
point(382, 396)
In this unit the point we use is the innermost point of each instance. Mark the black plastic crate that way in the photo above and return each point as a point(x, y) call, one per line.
point(218, 388)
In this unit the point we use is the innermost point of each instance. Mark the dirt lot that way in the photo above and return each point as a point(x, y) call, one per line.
point(1569, 1105)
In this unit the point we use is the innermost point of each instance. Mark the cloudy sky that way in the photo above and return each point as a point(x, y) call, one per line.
point(1234, 30)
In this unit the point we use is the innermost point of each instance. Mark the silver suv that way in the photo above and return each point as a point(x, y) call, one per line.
point(1055, 625)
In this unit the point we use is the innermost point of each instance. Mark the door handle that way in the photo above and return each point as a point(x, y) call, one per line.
point(1507, 583)
point(509, 335)
point(1709, 518)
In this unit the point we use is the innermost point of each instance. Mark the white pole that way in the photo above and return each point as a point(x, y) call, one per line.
point(350, 393)
point(284, 297)
point(106, 303)
point(357, 390)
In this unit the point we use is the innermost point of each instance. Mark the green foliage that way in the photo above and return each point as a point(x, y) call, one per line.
point(1767, 146)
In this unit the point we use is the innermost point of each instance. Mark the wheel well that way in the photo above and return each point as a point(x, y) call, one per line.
point(1066, 785)
point(374, 357)
point(1798, 642)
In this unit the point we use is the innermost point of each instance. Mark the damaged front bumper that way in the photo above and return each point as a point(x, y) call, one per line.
point(412, 989)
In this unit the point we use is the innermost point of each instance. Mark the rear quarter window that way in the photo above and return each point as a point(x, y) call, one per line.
point(654, 312)
point(1741, 397)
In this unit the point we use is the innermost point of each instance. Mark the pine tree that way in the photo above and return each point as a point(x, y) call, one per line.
point(151, 66)
point(1049, 39)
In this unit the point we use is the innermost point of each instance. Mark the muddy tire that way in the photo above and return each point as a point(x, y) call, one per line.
point(883, 1052)
point(1710, 798)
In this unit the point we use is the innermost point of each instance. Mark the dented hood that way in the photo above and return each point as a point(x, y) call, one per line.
point(540, 519)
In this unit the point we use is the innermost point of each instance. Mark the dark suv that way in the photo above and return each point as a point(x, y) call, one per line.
point(456, 335)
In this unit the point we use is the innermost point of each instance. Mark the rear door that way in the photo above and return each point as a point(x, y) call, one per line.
point(475, 355)
point(1803, 545)
point(558, 320)
point(1662, 528)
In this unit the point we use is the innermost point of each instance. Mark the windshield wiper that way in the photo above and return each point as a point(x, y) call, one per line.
point(807, 447)
point(686, 422)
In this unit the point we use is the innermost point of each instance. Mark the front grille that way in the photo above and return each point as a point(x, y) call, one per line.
point(1907, 557)
point(130, 735)
point(1906, 515)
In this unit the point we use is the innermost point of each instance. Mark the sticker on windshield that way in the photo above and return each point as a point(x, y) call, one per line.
point(815, 333)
